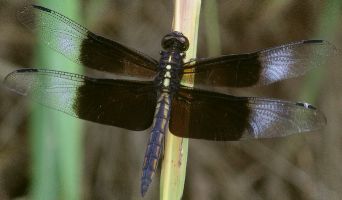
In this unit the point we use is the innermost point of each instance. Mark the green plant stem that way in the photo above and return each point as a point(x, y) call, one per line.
point(55, 137)
point(186, 20)
point(211, 21)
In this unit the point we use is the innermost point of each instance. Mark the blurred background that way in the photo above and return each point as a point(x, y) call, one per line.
point(84, 160)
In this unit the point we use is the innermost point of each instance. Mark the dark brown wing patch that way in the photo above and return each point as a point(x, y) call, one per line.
point(121, 103)
point(212, 116)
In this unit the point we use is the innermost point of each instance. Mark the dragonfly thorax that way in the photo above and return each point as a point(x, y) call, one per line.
point(170, 67)
point(170, 64)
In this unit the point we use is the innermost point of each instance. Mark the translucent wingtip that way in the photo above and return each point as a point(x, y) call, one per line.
point(326, 48)
point(16, 83)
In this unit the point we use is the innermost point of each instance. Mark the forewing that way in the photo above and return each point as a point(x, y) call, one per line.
point(120, 103)
point(84, 47)
point(263, 67)
point(212, 116)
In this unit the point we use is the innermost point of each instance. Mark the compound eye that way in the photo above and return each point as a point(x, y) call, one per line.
point(185, 43)
point(175, 39)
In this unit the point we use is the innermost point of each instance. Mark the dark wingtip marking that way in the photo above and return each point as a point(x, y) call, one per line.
point(306, 105)
point(27, 70)
point(313, 41)
point(41, 8)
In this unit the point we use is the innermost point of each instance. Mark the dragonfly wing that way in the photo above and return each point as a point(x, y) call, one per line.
point(212, 116)
point(82, 46)
point(262, 67)
point(121, 103)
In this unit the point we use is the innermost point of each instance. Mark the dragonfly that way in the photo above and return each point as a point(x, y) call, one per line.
point(150, 94)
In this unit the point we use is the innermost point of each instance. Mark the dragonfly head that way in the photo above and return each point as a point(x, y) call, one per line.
point(175, 40)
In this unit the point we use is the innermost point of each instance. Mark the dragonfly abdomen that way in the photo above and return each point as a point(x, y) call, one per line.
point(155, 145)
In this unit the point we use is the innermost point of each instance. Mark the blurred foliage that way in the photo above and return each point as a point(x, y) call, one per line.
point(297, 167)
point(55, 137)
